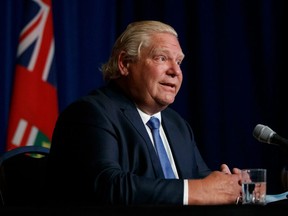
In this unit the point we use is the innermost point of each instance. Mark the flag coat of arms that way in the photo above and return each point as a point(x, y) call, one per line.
point(34, 105)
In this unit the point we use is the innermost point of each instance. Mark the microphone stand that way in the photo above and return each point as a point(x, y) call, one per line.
point(284, 172)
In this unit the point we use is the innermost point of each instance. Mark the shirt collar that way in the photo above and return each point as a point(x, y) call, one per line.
point(145, 117)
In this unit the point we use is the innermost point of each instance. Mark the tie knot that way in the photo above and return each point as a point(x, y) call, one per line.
point(153, 123)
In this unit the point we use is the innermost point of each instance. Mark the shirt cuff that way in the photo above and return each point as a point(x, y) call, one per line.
point(185, 197)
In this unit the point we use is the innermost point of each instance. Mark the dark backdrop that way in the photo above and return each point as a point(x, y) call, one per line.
point(233, 70)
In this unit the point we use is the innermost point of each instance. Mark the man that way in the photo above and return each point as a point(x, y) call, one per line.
point(103, 150)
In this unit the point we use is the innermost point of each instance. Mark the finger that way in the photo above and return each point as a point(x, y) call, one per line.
point(224, 168)
point(236, 171)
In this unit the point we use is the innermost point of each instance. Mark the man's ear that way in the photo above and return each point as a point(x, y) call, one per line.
point(123, 64)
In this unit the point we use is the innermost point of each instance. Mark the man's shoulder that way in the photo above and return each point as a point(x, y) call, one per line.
point(172, 115)
point(171, 112)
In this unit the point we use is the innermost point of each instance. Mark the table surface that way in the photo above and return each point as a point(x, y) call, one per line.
point(271, 209)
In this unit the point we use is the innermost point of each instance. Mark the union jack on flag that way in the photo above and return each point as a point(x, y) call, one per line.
point(34, 105)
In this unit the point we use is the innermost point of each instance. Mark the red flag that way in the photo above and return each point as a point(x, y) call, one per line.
point(34, 106)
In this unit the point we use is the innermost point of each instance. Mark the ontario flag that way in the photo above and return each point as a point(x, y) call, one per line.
point(34, 106)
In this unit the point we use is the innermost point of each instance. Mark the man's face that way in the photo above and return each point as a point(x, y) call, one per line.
point(155, 79)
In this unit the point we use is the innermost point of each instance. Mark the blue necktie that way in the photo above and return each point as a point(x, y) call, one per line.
point(154, 125)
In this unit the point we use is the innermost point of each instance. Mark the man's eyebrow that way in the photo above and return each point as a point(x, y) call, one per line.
point(159, 50)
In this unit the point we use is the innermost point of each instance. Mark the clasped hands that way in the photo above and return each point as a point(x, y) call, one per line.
point(219, 188)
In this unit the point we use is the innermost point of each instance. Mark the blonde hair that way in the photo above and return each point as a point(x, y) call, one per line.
point(137, 35)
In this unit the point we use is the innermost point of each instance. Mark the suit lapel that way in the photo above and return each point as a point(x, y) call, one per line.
point(135, 119)
point(129, 110)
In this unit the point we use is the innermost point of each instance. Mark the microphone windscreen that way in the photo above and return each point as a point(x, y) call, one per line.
point(263, 133)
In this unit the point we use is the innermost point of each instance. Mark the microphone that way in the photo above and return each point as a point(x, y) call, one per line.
point(266, 135)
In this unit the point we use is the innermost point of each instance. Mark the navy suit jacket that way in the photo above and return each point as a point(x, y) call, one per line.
point(101, 154)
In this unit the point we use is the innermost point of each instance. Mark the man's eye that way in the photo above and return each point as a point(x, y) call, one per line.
point(160, 58)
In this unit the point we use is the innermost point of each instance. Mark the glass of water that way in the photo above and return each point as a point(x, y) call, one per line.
point(254, 186)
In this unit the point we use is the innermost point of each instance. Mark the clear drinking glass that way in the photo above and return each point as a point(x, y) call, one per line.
point(254, 186)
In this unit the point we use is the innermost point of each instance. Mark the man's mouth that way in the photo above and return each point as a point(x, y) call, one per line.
point(168, 84)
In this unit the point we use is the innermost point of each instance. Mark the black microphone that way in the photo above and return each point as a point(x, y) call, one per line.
point(266, 135)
